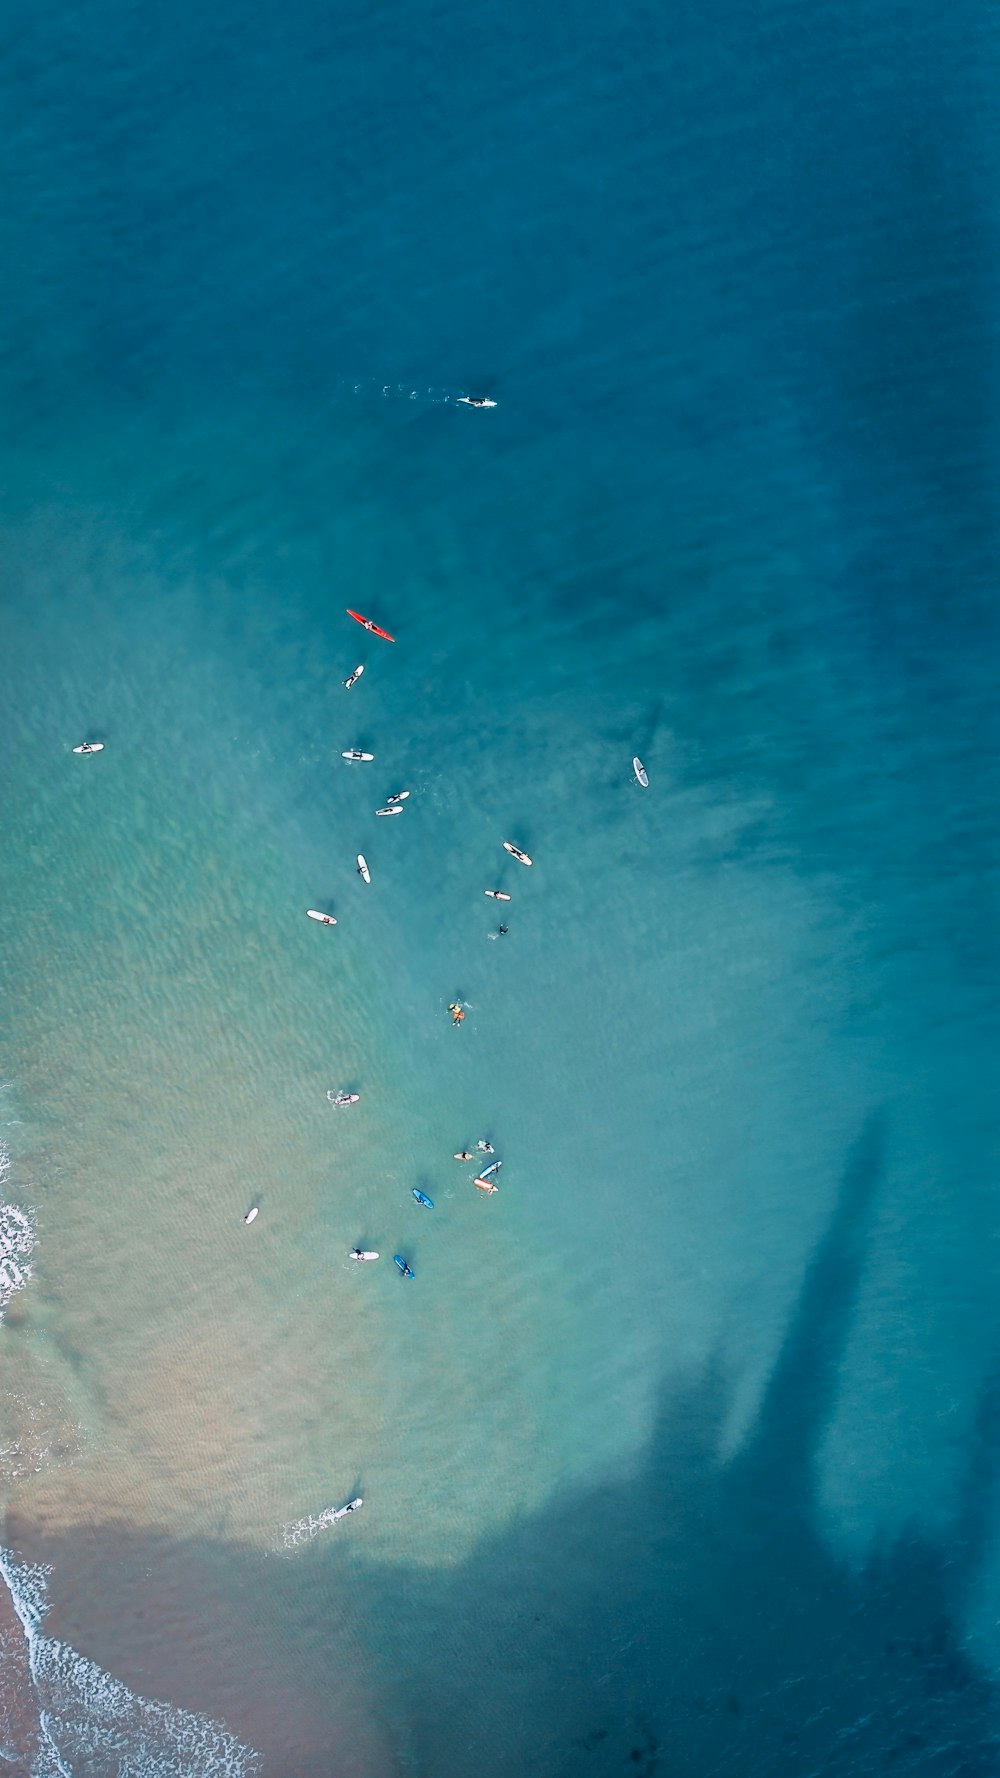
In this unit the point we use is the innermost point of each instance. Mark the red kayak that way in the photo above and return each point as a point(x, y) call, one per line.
point(366, 623)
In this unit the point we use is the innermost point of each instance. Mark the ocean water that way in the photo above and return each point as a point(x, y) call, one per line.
point(678, 1455)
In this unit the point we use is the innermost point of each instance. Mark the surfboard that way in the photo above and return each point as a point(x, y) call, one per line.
point(640, 772)
point(356, 753)
point(515, 852)
point(487, 1172)
point(342, 1511)
point(343, 1098)
point(395, 811)
point(484, 401)
point(90, 747)
point(485, 1185)
point(366, 624)
point(363, 872)
point(353, 680)
point(400, 797)
point(324, 919)
point(356, 1253)
point(423, 1199)
point(252, 1215)
point(496, 894)
point(398, 1260)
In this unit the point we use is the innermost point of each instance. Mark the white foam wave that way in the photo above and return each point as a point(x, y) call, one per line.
point(90, 1723)
point(303, 1529)
point(17, 1238)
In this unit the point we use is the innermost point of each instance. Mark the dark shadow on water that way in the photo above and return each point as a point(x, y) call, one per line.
point(691, 1621)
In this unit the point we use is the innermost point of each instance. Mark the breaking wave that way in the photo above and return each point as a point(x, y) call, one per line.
point(303, 1529)
point(17, 1238)
point(84, 1722)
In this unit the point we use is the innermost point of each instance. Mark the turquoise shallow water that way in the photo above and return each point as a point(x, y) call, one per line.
point(678, 1451)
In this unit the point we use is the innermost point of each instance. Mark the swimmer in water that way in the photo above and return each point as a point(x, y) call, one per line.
point(457, 1015)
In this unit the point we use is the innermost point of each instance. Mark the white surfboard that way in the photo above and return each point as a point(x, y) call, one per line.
point(356, 1253)
point(515, 852)
point(353, 680)
point(496, 894)
point(324, 919)
point(640, 772)
point(476, 401)
point(363, 872)
point(343, 1098)
point(400, 797)
point(396, 810)
point(90, 747)
point(356, 753)
point(252, 1215)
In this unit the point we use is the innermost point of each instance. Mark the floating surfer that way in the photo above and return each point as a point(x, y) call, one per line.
point(343, 1098)
point(90, 747)
point(324, 919)
point(496, 894)
point(422, 1198)
point(486, 1185)
point(398, 1260)
point(252, 1215)
point(476, 401)
point(361, 1254)
point(457, 1015)
point(465, 1154)
point(355, 676)
point(515, 852)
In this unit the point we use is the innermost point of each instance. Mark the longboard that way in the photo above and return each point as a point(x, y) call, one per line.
point(343, 1098)
point(90, 747)
point(515, 852)
point(486, 1185)
point(356, 753)
point(400, 797)
point(353, 680)
point(252, 1215)
point(363, 872)
point(366, 624)
point(398, 1260)
point(640, 772)
point(357, 1253)
point(496, 894)
point(423, 1199)
point(395, 810)
point(476, 401)
point(324, 919)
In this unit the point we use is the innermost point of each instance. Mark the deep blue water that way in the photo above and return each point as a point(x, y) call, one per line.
point(731, 276)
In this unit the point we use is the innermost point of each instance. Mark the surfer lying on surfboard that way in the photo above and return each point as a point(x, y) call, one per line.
point(476, 401)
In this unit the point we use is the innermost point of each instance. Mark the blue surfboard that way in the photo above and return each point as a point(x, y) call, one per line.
point(422, 1198)
point(404, 1268)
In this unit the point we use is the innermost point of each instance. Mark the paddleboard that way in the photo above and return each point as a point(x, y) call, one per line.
point(423, 1199)
point(366, 623)
point(485, 1185)
point(496, 894)
point(363, 872)
point(324, 919)
point(476, 401)
point(640, 772)
point(252, 1215)
point(356, 753)
point(400, 797)
point(359, 1253)
point(398, 1260)
point(343, 1098)
point(522, 857)
point(396, 811)
point(355, 676)
point(90, 747)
